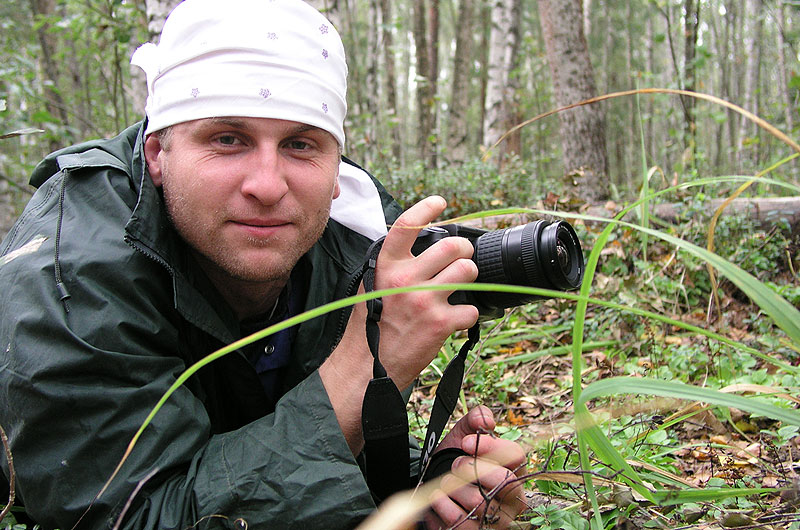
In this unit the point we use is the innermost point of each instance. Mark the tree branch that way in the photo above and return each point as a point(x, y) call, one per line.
point(11, 475)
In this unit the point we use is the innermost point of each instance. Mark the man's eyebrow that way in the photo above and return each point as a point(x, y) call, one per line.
point(238, 123)
point(230, 122)
point(304, 127)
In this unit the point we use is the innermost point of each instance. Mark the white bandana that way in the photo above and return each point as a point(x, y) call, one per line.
point(276, 59)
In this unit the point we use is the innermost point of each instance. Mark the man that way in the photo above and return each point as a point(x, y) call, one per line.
point(228, 210)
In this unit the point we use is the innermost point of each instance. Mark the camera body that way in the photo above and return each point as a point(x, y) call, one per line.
point(538, 254)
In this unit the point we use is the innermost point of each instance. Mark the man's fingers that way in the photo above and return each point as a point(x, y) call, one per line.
point(480, 419)
point(483, 503)
point(489, 474)
point(503, 452)
point(477, 420)
point(448, 261)
point(450, 513)
point(404, 232)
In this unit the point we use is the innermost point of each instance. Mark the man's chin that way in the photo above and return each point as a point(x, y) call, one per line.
point(255, 272)
point(249, 266)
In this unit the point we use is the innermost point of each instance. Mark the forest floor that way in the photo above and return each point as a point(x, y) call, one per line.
point(523, 372)
point(702, 449)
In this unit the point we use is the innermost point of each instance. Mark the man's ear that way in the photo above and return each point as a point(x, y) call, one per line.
point(336, 189)
point(152, 150)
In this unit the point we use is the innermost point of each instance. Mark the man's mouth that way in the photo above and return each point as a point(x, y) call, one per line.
point(260, 227)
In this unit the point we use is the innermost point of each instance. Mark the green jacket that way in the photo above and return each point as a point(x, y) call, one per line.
point(80, 375)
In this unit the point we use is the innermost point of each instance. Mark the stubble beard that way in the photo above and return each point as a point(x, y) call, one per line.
point(217, 259)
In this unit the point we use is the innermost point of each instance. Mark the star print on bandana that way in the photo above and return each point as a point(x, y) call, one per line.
point(323, 29)
point(195, 92)
point(264, 93)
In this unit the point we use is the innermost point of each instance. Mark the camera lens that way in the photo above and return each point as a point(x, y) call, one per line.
point(538, 254)
point(559, 255)
point(563, 257)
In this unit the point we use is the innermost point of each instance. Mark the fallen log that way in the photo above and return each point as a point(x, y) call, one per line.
point(766, 211)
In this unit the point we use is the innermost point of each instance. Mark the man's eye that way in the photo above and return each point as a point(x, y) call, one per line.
point(298, 145)
point(227, 139)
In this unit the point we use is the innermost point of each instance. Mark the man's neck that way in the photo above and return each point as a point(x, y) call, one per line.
point(246, 298)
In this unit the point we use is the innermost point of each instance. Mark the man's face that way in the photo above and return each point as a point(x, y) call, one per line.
point(249, 195)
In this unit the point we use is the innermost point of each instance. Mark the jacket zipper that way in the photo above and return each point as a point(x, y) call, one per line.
point(145, 251)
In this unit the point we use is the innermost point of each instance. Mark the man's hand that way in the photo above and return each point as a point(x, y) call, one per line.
point(415, 325)
point(484, 489)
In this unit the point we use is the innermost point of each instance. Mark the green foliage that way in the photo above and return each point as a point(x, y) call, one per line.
point(550, 517)
point(471, 187)
point(92, 42)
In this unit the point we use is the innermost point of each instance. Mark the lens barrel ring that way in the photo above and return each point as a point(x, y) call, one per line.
point(529, 252)
point(489, 258)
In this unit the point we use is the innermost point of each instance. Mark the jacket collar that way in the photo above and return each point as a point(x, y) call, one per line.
point(150, 231)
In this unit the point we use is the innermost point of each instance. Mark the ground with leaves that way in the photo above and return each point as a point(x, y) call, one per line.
point(523, 371)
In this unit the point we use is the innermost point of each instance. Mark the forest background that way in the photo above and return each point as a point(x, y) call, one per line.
point(433, 89)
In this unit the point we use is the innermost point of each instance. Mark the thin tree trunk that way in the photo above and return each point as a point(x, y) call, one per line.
point(608, 46)
point(582, 129)
point(458, 129)
point(404, 96)
point(390, 83)
point(424, 84)
point(649, 139)
point(747, 129)
point(721, 51)
point(495, 87)
point(587, 18)
point(372, 95)
point(48, 70)
point(433, 77)
point(486, 32)
point(501, 112)
point(691, 24)
point(627, 168)
point(732, 87)
point(782, 71)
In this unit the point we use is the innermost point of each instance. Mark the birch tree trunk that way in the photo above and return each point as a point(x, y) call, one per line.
point(157, 12)
point(582, 129)
point(747, 129)
point(458, 128)
point(691, 25)
point(500, 88)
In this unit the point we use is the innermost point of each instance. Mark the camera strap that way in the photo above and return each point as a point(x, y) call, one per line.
point(384, 420)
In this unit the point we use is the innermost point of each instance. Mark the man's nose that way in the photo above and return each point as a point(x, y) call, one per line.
point(265, 177)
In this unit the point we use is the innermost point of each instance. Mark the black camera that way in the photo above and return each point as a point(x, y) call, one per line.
point(539, 254)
